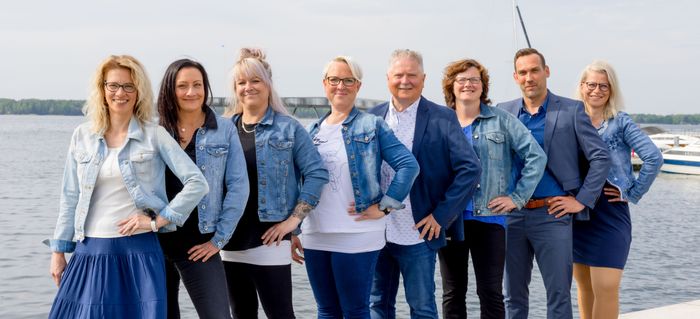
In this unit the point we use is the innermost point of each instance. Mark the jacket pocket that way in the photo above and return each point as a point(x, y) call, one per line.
point(495, 144)
point(82, 160)
point(365, 143)
point(142, 161)
point(281, 158)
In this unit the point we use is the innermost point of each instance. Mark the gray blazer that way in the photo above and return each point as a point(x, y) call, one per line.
point(576, 155)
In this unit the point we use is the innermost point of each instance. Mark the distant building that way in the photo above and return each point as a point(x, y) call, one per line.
point(302, 107)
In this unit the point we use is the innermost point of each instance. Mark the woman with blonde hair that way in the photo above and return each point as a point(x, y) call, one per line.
point(601, 245)
point(113, 201)
point(285, 176)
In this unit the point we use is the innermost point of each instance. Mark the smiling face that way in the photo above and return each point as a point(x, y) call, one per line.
point(120, 102)
point(405, 79)
point(251, 91)
point(470, 91)
point(189, 89)
point(596, 98)
point(531, 76)
point(340, 96)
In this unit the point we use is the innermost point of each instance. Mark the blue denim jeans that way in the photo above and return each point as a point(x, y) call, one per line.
point(416, 263)
point(532, 233)
point(341, 282)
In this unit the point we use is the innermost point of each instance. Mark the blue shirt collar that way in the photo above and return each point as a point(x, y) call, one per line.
point(543, 107)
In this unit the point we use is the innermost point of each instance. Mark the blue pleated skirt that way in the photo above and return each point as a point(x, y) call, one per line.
point(120, 277)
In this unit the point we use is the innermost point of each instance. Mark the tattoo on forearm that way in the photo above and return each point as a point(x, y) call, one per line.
point(302, 210)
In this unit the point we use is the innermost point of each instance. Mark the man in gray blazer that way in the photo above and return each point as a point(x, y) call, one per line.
point(577, 166)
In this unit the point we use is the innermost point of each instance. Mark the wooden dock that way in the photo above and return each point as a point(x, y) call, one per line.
point(684, 310)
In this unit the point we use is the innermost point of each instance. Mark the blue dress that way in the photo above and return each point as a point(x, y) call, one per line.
point(604, 240)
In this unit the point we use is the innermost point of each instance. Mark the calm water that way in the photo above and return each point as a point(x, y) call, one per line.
point(662, 266)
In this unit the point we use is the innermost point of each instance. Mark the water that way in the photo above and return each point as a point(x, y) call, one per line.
point(662, 266)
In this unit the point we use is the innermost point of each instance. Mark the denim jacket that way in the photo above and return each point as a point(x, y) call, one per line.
point(289, 167)
point(142, 161)
point(498, 137)
point(220, 158)
point(622, 136)
point(368, 142)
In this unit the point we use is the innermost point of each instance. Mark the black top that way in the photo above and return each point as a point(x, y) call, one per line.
point(176, 244)
point(250, 228)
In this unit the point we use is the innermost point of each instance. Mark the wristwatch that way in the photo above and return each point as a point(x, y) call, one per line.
point(152, 215)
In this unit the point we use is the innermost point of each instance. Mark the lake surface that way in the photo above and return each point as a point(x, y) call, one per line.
point(662, 268)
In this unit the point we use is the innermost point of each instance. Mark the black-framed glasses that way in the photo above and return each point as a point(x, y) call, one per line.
point(114, 87)
point(348, 82)
point(604, 87)
point(463, 81)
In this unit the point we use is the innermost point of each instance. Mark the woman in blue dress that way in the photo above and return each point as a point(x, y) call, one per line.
point(602, 244)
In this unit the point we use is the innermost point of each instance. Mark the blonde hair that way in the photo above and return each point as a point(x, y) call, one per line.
point(251, 64)
point(95, 107)
point(354, 67)
point(615, 101)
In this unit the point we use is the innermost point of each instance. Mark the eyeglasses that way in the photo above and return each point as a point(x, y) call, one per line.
point(604, 87)
point(348, 82)
point(463, 81)
point(114, 87)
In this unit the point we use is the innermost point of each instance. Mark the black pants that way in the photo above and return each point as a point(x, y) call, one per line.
point(272, 283)
point(487, 245)
point(205, 283)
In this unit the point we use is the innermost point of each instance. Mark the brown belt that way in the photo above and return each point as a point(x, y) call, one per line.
point(538, 202)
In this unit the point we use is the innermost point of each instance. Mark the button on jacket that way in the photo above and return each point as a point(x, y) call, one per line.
point(142, 161)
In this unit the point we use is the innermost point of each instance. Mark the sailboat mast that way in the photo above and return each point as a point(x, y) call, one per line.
point(523, 25)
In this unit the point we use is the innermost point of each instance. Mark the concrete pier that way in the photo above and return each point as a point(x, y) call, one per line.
point(684, 310)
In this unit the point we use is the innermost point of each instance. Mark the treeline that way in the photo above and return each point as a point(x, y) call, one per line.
point(666, 119)
point(41, 107)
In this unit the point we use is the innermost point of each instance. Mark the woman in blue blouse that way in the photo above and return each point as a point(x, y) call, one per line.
point(506, 183)
point(602, 244)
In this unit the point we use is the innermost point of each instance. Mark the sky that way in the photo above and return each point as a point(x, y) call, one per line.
point(50, 49)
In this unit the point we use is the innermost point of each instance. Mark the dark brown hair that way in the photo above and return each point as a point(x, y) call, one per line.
point(528, 51)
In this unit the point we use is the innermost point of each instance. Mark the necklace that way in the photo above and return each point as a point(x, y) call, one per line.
point(255, 125)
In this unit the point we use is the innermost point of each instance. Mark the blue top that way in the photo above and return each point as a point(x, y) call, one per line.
point(548, 185)
point(468, 213)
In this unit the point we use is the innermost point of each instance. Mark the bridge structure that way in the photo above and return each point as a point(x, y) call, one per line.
point(302, 107)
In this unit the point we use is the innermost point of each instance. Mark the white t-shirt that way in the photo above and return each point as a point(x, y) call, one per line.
point(110, 201)
point(329, 227)
point(263, 255)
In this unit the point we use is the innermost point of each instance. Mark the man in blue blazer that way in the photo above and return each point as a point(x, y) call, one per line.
point(577, 166)
point(449, 172)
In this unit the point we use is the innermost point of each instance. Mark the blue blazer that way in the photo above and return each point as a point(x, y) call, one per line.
point(449, 168)
point(576, 155)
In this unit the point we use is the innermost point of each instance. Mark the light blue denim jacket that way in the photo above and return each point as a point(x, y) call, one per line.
point(289, 167)
point(498, 137)
point(221, 160)
point(368, 142)
point(622, 136)
point(142, 163)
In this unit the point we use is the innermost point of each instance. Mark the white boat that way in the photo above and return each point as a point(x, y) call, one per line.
point(667, 141)
point(682, 160)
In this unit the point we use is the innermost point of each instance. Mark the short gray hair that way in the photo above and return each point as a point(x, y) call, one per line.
point(406, 54)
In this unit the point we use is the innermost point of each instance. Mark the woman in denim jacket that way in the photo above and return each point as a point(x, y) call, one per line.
point(285, 175)
point(113, 201)
point(602, 244)
point(344, 234)
point(192, 252)
point(506, 183)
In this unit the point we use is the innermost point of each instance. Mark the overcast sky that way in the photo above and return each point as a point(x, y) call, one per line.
point(50, 49)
